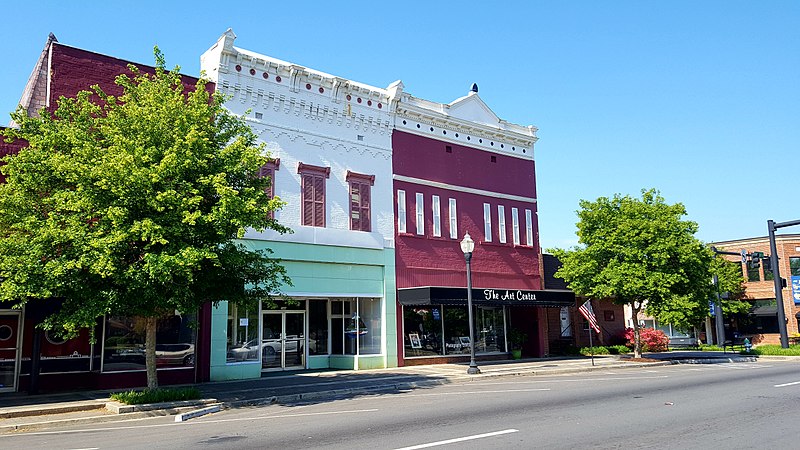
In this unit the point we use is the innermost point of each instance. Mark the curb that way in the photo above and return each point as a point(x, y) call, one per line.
point(37, 411)
point(121, 408)
point(197, 413)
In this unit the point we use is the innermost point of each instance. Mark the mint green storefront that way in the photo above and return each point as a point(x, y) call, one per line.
point(340, 313)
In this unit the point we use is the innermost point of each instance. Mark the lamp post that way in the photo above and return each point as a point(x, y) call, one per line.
point(467, 246)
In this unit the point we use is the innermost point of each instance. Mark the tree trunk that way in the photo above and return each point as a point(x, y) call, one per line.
point(637, 337)
point(150, 353)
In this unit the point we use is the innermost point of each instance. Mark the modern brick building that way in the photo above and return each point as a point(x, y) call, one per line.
point(762, 322)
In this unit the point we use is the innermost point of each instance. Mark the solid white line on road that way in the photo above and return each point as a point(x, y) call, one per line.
point(461, 439)
point(787, 384)
point(476, 392)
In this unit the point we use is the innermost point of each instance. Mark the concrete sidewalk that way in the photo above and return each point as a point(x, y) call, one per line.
point(21, 411)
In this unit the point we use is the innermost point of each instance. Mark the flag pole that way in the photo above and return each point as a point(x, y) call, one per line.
point(591, 345)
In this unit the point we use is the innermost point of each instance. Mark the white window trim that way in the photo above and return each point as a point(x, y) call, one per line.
point(529, 227)
point(420, 214)
point(437, 223)
point(453, 220)
point(501, 223)
point(515, 225)
point(401, 211)
point(487, 222)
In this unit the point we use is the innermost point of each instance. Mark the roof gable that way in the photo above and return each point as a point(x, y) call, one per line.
point(472, 109)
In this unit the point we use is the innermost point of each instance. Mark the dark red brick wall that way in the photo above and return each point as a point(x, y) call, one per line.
point(7, 148)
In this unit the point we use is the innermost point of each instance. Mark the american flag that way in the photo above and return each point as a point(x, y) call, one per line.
point(586, 310)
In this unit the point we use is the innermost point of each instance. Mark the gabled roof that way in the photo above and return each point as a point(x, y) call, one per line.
point(34, 96)
point(472, 109)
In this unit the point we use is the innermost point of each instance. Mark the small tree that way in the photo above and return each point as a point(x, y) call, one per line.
point(640, 253)
point(131, 206)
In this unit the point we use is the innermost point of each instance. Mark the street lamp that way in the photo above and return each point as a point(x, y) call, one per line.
point(467, 246)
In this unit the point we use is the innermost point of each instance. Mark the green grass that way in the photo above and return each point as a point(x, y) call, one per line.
point(156, 396)
point(709, 348)
point(774, 350)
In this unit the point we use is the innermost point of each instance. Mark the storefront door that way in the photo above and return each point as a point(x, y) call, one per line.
point(9, 350)
point(283, 340)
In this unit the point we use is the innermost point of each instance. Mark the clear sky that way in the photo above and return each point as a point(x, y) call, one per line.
point(698, 99)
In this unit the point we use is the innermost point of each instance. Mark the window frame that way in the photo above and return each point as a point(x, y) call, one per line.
point(453, 218)
point(401, 211)
point(268, 170)
point(437, 216)
point(487, 222)
point(364, 184)
point(420, 213)
point(529, 227)
point(317, 175)
point(501, 224)
point(515, 225)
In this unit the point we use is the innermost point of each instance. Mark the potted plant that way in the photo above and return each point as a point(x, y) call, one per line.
point(516, 338)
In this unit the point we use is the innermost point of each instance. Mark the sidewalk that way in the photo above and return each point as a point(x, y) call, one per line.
point(21, 411)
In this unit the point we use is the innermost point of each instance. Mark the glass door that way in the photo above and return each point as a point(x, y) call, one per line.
point(9, 350)
point(283, 340)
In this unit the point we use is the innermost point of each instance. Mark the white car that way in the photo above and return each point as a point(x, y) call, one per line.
point(269, 349)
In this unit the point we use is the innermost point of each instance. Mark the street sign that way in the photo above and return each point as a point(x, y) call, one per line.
point(744, 256)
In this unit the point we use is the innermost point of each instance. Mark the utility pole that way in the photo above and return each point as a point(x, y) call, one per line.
point(773, 248)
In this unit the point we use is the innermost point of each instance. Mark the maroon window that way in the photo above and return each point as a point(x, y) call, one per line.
point(360, 211)
point(313, 187)
point(268, 170)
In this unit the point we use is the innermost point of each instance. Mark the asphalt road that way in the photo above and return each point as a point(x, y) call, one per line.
point(731, 405)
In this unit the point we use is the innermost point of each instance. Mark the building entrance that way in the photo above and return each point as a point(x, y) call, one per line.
point(10, 341)
point(283, 340)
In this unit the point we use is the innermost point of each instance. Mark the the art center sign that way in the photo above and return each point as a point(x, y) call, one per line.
point(508, 295)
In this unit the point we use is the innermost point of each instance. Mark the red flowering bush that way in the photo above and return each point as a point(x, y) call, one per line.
point(652, 340)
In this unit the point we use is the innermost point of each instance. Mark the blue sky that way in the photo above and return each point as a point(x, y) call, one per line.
point(700, 100)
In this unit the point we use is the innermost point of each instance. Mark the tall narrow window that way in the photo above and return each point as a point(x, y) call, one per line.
point(437, 222)
point(515, 225)
point(313, 192)
point(360, 211)
point(453, 220)
point(501, 223)
point(528, 227)
point(268, 171)
point(401, 211)
point(487, 222)
point(420, 214)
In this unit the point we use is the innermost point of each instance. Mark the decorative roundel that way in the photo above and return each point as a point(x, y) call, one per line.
point(502, 146)
point(456, 134)
point(238, 68)
point(417, 125)
point(308, 86)
point(380, 105)
point(369, 102)
point(358, 99)
point(321, 90)
point(444, 131)
point(480, 141)
point(492, 143)
point(278, 78)
point(252, 71)
point(6, 332)
point(514, 148)
point(265, 75)
point(405, 123)
point(349, 97)
point(51, 338)
point(469, 138)
point(431, 128)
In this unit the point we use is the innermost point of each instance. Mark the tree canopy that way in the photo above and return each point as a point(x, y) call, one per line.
point(640, 252)
point(132, 205)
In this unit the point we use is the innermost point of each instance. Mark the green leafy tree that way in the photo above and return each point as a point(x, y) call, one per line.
point(638, 252)
point(132, 206)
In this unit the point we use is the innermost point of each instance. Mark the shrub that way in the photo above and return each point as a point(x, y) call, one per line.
point(652, 340)
point(599, 350)
point(774, 350)
point(618, 349)
point(156, 396)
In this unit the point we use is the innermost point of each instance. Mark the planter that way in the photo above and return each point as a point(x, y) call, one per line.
point(516, 354)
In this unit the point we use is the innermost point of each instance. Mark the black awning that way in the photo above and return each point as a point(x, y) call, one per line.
point(765, 311)
point(430, 295)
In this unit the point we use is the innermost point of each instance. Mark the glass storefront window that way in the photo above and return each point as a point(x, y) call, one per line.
point(343, 327)
point(318, 327)
point(423, 331)
point(123, 346)
point(369, 336)
point(242, 334)
point(456, 330)
point(491, 330)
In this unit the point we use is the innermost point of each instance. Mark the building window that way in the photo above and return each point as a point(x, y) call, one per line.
point(501, 223)
point(401, 211)
point(437, 223)
point(356, 326)
point(123, 346)
point(753, 273)
point(243, 344)
point(529, 227)
point(313, 193)
point(794, 265)
point(268, 171)
point(515, 225)
point(487, 222)
point(420, 214)
point(453, 220)
point(360, 211)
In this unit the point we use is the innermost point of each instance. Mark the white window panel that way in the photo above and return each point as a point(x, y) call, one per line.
point(501, 223)
point(515, 225)
point(487, 222)
point(453, 220)
point(401, 211)
point(437, 224)
point(528, 227)
point(420, 214)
